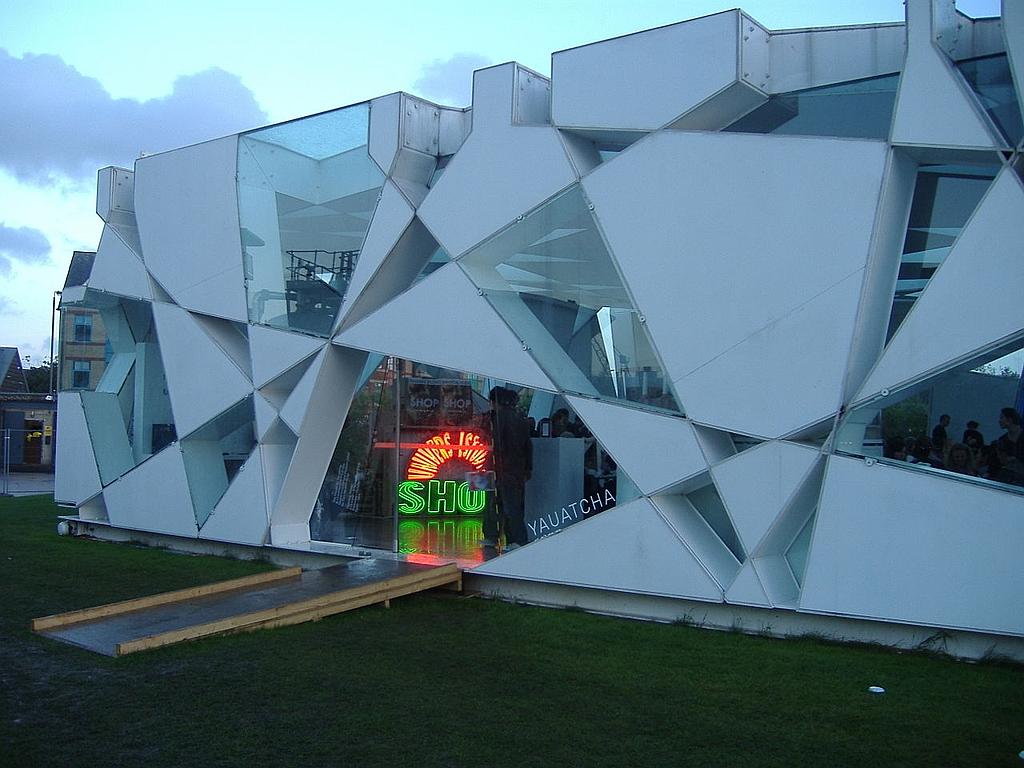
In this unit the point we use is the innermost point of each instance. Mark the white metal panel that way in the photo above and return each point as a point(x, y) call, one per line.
point(187, 209)
point(1013, 34)
point(390, 218)
point(296, 406)
point(716, 444)
point(275, 351)
point(154, 496)
point(420, 124)
point(645, 80)
point(416, 325)
point(582, 152)
point(699, 537)
point(115, 194)
point(930, 86)
point(532, 97)
point(201, 380)
point(385, 123)
point(412, 172)
point(984, 262)
point(276, 455)
point(241, 514)
point(746, 588)
point(654, 450)
point(783, 377)
point(738, 230)
point(757, 483)
point(231, 337)
point(116, 269)
point(721, 109)
point(330, 399)
point(882, 271)
point(755, 53)
point(915, 547)
point(455, 125)
point(629, 548)
point(76, 477)
point(265, 415)
point(807, 58)
point(527, 163)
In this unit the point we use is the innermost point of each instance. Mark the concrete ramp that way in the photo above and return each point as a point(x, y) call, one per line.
point(273, 599)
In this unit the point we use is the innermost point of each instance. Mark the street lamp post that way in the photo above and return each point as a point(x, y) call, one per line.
point(53, 315)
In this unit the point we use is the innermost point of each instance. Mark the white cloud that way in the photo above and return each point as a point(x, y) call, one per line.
point(58, 122)
point(450, 81)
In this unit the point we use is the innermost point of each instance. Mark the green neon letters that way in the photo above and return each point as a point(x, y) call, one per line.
point(439, 497)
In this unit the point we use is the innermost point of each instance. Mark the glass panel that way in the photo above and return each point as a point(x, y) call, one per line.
point(857, 109)
point(709, 504)
point(945, 196)
point(964, 422)
point(552, 279)
point(991, 79)
point(215, 452)
point(474, 474)
point(306, 192)
point(129, 413)
point(357, 502)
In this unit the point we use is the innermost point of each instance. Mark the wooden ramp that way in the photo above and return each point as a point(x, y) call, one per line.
point(266, 600)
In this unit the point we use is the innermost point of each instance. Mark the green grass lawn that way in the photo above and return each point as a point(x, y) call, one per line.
point(445, 681)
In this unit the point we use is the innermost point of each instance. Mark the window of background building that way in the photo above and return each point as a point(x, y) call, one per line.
point(80, 373)
point(83, 329)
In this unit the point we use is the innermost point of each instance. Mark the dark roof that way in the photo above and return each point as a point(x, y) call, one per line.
point(12, 377)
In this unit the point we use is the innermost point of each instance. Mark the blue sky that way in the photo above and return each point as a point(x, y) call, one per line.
point(89, 84)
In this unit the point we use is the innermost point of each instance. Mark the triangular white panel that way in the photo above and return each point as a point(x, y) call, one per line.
point(202, 381)
point(700, 538)
point(153, 497)
point(417, 325)
point(582, 152)
point(629, 434)
point(77, 477)
point(914, 546)
point(755, 485)
point(230, 337)
point(390, 218)
point(94, 509)
point(274, 351)
point(277, 391)
point(116, 269)
point(294, 410)
point(986, 262)
point(733, 249)
point(785, 376)
point(265, 415)
point(747, 589)
point(241, 513)
point(186, 204)
point(930, 88)
point(628, 548)
point(527, 163)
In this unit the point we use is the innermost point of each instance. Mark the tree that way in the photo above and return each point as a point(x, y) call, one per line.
point(38, 376)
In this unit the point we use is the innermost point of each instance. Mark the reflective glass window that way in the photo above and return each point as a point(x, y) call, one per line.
point(964, 422)
point(440, 463)
point(83, 328)
point(552, 279)
point(945, 196)
point(215, 452)
point(306, 192)
point(856, 109)
point(129, 412)
point(992, 81)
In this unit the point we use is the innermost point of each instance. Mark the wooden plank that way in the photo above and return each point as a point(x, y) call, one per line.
point(304, 610)
point(163, 598)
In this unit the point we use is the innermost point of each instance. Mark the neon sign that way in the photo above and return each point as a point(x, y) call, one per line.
point(439, 497)
point(427, 460)
point(423, 491)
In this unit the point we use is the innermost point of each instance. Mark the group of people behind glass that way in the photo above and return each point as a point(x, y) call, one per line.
point(1001, 460)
